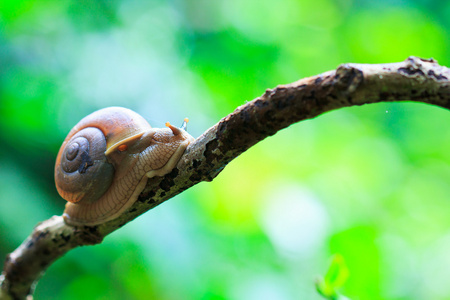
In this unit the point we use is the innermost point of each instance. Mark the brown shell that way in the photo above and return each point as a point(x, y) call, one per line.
point(116, 123)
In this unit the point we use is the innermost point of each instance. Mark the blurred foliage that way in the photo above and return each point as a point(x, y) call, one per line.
point(336, 276)
point(370, 183)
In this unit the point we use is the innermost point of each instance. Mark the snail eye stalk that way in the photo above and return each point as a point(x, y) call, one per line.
point(184, 125)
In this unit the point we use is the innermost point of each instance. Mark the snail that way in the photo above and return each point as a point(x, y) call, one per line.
point(106, 159)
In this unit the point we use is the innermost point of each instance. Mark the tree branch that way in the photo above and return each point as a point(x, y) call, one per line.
point(350, 84)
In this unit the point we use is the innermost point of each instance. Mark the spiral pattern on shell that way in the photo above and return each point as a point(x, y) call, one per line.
point(84, 174)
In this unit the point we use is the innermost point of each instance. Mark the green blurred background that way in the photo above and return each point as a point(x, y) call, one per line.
point(371, 183)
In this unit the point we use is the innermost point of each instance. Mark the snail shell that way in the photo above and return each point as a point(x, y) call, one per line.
point(106, 159)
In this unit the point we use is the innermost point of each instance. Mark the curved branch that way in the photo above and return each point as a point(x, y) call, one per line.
point(414, 79)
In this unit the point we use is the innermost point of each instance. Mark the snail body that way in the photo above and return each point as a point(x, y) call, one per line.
point(106, 159)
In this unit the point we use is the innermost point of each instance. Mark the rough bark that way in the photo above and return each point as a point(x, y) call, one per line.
point(414, 79)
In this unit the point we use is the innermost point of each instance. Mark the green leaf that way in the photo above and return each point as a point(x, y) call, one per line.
point(335, 278)
point(337, 273)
